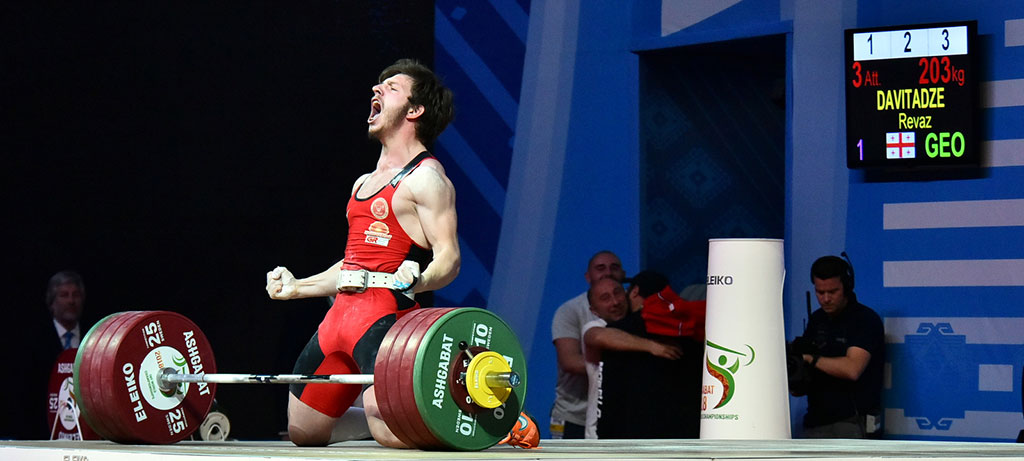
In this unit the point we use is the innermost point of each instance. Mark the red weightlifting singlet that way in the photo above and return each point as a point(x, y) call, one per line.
point(347, 339)
point(376, 242)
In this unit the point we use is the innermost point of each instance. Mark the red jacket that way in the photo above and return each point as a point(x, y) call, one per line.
point(666, 314)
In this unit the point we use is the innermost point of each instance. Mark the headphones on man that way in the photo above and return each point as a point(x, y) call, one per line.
point(847, 277)
point(833, 263)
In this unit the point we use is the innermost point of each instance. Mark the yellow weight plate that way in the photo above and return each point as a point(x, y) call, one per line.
point(483, 364)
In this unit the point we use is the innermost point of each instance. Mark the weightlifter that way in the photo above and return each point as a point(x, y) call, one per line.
point(401, 218)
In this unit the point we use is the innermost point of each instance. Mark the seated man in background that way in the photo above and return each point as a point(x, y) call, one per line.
point(621, 386)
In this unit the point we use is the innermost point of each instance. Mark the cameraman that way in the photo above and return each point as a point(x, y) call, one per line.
point(844, 348)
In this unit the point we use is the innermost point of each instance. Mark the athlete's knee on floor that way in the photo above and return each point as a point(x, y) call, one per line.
point(305, 436)
point(375, 421)
point(308, 427)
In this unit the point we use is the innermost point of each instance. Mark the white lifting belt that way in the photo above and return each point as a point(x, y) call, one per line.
point(360, 280)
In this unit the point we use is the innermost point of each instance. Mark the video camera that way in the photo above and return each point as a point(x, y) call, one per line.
point(799, 372)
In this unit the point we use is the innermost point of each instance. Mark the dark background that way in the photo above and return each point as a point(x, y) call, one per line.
point(174, 153)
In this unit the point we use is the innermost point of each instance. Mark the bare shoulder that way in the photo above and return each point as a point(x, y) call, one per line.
point(429, 178)
point(434, 164)
point(359, 182)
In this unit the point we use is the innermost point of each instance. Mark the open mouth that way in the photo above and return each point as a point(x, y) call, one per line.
point(375, 109)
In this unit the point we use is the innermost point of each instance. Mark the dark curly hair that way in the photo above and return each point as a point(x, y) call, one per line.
point(427, 91)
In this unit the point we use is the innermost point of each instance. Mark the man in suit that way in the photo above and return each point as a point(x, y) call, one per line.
point(65, 297)
point(35, 344)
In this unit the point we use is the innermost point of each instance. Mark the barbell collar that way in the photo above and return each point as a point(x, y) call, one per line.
point(499, 380)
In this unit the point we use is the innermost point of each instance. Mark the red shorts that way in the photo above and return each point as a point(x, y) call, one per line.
point(346, 343)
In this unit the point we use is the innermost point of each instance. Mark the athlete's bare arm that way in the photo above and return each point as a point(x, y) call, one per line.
point(281, 284)
point(433, 203)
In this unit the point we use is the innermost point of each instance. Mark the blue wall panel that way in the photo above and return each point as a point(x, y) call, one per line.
point(942, 381)
point(480, 48)
point(954, 368)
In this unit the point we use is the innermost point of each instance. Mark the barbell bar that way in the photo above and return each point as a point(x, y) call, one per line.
point(168, 378)
point(150, 377)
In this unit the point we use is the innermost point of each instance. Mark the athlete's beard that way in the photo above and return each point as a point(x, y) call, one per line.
point(390, 122)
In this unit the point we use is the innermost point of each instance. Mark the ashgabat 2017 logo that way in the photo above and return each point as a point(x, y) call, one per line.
point(724, 372)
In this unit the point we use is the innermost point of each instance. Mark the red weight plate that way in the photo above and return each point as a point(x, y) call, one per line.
point(409, 383)
point(403, 377)
point(89, 389)
point(167, 340)
point(406, 367)
point(111, 378)
point(83, 379)
point(389, 374)
point(150, 343)
point(457, 384)
point(61, 417)
point(380, 365)
point(190, 352)
point(93, 399)
point(380, 383)
point(386, 387)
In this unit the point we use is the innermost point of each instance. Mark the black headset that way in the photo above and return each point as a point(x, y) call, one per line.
point(847, 277)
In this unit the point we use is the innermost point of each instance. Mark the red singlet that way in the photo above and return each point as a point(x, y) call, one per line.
point(347, 339)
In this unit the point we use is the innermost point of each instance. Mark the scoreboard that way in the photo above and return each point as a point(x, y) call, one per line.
point(911, 96)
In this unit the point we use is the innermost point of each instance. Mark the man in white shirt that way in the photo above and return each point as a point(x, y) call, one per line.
point(569, 412)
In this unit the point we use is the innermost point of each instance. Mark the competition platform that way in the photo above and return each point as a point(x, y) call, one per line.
point(803, 449)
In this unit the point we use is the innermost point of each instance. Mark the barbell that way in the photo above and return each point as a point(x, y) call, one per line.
point(445, 378)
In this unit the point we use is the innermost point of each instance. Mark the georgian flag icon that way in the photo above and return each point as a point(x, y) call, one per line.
point(900, 145)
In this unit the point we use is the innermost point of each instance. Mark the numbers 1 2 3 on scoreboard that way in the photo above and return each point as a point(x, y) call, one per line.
point(911, 94)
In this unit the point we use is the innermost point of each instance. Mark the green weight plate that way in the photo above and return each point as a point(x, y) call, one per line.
point(453, 427)
point(148, 344)
point(407, 365)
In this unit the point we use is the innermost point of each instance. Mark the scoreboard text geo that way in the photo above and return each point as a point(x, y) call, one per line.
point(910, 96)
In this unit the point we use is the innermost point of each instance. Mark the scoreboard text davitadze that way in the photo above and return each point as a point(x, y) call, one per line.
point(910, 96)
